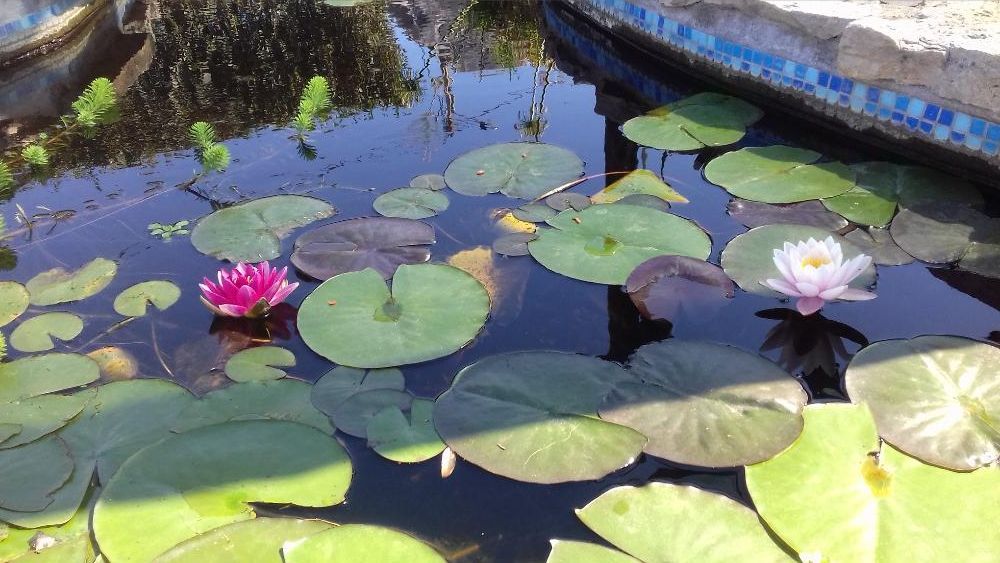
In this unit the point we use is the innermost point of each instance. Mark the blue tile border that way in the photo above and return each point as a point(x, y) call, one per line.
point(915, 116)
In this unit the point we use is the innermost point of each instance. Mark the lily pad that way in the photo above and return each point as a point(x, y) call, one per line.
point(662, 285)
point(37, 375)
point(429, 181)
point(876, 503)
point(532, 416)
point(811, 213)
point(342, 382)
point(703, 526)
point(259, 364)
point(405, 438)
point(707, 404)
point(513, 244)
point(747, 258)
point(353, 415)
point(59, 286)
point(779, 174)
point(881, 186)
point(31, 472)
point(703, 120)
point(534, 212)
point(39, 416)
point(133, 301)
point(524, 170)
point(72, 540)
point(638, 182)
point(604, 243)
point(877, 243)
point(411, 203)
point(566, 551)
point(936, 398)
point(352, 543)
point(433, 310)
point(506, 222)
point(200, 480)
point(36, 334)
point(567, 200)
point(260, 540)
point(643, 200)
point(252, 231)
point(382, 243)
point(284, 399)
point(941, 234)
point(13, 301)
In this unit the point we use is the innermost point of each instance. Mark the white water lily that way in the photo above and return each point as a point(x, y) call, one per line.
point(815, 272)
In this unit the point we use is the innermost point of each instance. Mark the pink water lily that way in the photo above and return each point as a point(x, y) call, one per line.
point(248, 290)
point(815, 272)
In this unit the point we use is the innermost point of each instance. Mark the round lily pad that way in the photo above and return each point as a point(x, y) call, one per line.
point(59, 286)
point(260, 363)
point(13, 301)
point(31, 472)
point(747, 259)
point(936, 398)
point(604, 243)
point(429, 181)
point(638, 182)
point(382, 243)
point(133, 301)
point(352, 415)
point(567, 200)
point(39, 416)
point(259, 540)
point(877, 243)
point(837, 495)
point(534, 212)
point(36, 334)
point(707, 404)
point(433, 310)
point(944, 233)
point(513, 244)
point(662, 285)
point(779, 174)
point(405, 437)
point(524, 170)
point(37, 375)
point(283, 399)
point(352, 543)
point(252, 231)
point(411, 203)
point(203, 479)
point(566, 551)
point(342, 382)
point(811, 213)
point(703, 120)
point(532, 416)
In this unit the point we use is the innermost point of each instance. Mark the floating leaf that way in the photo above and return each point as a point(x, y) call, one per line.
point(133, 301)
point(284, 399)
point(604, 243)
point(72, 541)
point(411, 203)
point(259, 540)
point(936, 398)
point(31, 472)
point(194, 482)
point(252, 231)
point(531, 416)
point(59, 286)
point(747, 258)
point(567, 200)
point(342, 382)
point(353, 415)
point(878, 244)
point(534, 213)
point(566, 551)
point(662, 285)
point(941, 234)
point(37, 375)
point(508, 223)
point(13, 301)
point(433, 310)
point(38, 416)
point(406, 439)
point(811, 213)
point(705, 119)
point(257, 364)
point(382, 243)
point(429, 181)
point(707, 404)
point(524, 170)
point(638, 182)
point(36, 333)
point(779, 174)
point(116, 364)
point(352, 543)
point(643, 200)
point(829, 498)
point(513, 244)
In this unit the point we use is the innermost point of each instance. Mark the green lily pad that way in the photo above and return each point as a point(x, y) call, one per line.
point(703, 120)
point(36, 333)
point(836, 495)
point(406, 439)
point(411, 203)
point(534, 213)
point(31, 472)
point(352, 543)
point(643, 200)
point(259, 540)
point(779, 174)
point(283, 399)
point(8, 430)
point(353, 415)
point(37, 375)
point(200, 480)
point(59, 286)
point(342, 382)
point(881, 186)
point(252, 231)
point(13, 301)
point(604, 243)
point(567, 200)
point(429, 181)
point(565, 551)
point(936, 398)
point(72, 540)
point(703, 526)
point(433, 310)
point(707, 404)
point(524, 170)
point(258, 364)
point(513, 244)
point(812, 213)
point(638, 182)
point(133, 301)
point(39, 416)
point(747, 259)
point(532, 416)
point(943, 233)
point(877, 243)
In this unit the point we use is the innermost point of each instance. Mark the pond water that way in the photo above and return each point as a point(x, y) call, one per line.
point(416, 84)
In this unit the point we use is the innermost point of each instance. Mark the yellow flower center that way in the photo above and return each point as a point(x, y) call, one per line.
point(815, 261)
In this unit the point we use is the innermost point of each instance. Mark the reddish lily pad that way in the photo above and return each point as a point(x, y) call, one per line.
point(662, 285)
point(381, 243)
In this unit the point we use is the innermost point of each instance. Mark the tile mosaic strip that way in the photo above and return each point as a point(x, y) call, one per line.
point(919, 117)
point(35, 19)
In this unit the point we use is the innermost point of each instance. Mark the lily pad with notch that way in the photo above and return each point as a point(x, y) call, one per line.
point(662, 285)
point(779, 174)
point(567, 200)
point(60, 286)
point(13, 301)
point(353, 415)
point(37, 333)
point(39, 416)
point(812, 213)
point(342, 382)
point(259, 364)
point(638, 182)
point(134, 301)
point(411, 203)
point(945, 233)
point(522, 170)
point(429, 181)
point(703, 120)
point(405, 437)
point(32, 472)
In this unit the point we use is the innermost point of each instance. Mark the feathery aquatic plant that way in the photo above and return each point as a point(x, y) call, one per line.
point(95, 102)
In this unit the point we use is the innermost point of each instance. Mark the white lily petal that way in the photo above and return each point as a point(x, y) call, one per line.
point(851, 294)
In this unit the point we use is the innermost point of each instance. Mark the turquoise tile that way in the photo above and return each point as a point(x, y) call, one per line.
point(973, 142)
point(941, 133)
point(916, 108)
point(962, 122)
point(887, 99)
point(812, 75)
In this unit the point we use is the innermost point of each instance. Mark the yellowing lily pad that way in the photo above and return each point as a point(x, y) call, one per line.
point(60, 286)
point(133, 301)
point(638, 182)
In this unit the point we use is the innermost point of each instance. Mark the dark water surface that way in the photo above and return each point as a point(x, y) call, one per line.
point(417, 83)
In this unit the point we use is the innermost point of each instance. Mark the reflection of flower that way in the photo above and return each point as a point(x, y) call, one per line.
point(235, 334)
point(815, 272)
point(808, 343)
point(248, 290)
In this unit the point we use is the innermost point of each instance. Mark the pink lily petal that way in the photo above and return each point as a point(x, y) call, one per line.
point(782, 286)
point(809, 305)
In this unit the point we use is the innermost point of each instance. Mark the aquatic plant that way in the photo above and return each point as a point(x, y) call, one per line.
point(314, 102)
point(167, 230)
point(248, 290)
point(6, 177)
point(815, 272)
point(95, 103)
point(35, 155)
point(212, 155)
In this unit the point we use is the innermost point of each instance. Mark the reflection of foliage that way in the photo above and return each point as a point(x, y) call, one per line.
point(165, 231)
point(35, 155)
point(95, 103)
point(516, 32)
point(6, 177)
point(212, 155)
point(315, 102)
